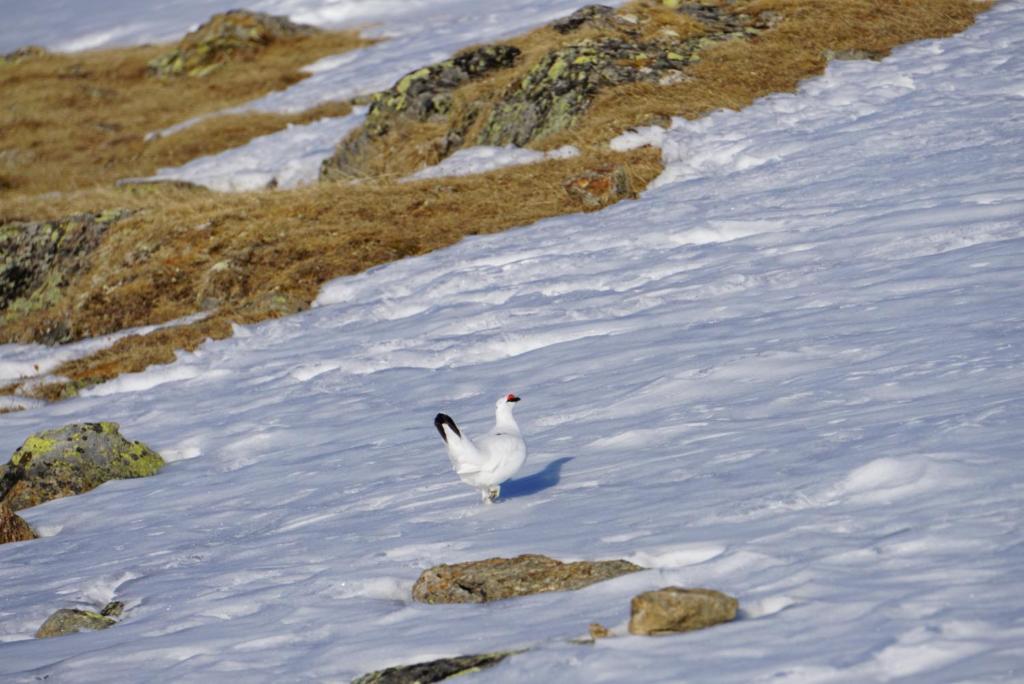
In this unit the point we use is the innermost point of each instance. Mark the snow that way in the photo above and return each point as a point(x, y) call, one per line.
point(790, 371)
point(285, 159)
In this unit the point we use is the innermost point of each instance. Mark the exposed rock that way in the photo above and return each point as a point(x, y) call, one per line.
point(584, 15)
point(599, 187)
point(71, 620)
point(598, 631)
point(238, 34)
point(114, 609)
point(674, 609)
point(41, 258)
point(420, 96)
point(558, 89)
point(549, 96)
point(435, 670)
point(12, 527)
point(500, 578)
point(71, 460)
point(23, 54)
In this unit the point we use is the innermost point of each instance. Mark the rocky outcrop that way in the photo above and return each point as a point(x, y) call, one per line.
point(435, 670)
point(501, 578)
point(23, 54)
point(674, 609)
point(71, 620)
point(559, 88)
point(40, 258)
point(12, 527)
point(601, 49)
point(71, 460)
point(590, 14)
point(238, 34)
point(423, 95)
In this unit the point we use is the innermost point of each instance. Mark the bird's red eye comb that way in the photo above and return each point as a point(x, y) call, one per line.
point(511, 397)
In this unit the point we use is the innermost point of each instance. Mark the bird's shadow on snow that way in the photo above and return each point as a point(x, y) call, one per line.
point(538, 482)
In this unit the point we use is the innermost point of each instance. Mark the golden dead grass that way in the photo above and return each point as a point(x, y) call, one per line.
point(733, 74)
point(267, 253)
point(72, 121)
point(246, 257)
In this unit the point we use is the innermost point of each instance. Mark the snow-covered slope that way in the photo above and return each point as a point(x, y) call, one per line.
point(792, 372)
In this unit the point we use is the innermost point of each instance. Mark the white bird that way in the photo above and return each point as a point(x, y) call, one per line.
point(491, 459)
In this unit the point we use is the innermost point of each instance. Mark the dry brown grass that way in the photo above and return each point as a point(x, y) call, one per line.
point(72, 121)
point(285, 245)
point(245, 257)
point(733, 74)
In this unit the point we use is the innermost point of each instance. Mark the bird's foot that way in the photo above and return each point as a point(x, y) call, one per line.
point(492, 494)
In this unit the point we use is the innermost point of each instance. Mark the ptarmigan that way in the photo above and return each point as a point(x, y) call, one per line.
point(491, 459)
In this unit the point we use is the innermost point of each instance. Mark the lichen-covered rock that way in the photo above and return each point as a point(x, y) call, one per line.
point(238, 34)
point(545, 97)
point(435, 670)
point(588, 14)
point(71, 460)
point(419, 96)
point(71, 620)
point(500, 578)
point(599, 187)
point(23, 54)
point(674, 609)
point(12, 527)
point(39, 259)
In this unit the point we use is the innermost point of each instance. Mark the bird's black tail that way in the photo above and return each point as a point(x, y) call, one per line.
point(440, 421)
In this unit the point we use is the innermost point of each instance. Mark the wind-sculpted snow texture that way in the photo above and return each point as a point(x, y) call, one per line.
point(792, 372)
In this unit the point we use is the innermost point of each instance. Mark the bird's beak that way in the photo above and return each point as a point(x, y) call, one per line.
point(513, 398)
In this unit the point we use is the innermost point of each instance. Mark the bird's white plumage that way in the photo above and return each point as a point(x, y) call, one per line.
point(489, 460)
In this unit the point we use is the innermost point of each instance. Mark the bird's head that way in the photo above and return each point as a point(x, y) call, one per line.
point(507, 400)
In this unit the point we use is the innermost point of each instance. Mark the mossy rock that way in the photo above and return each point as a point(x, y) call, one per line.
point(38, 259)
point(428, 114)
point(71, 620)
point(238, 34)
point(23, 54)
point(419, 96)
point(71, 460)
